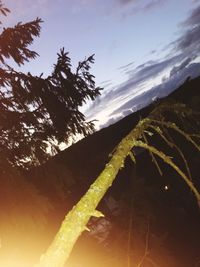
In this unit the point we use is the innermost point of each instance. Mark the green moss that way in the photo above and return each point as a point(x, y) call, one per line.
point(76, 220)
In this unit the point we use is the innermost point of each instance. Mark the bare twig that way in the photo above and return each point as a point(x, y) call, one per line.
point(146, 251)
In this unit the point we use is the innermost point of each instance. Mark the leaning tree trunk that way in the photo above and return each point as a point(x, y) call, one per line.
point(76, 220)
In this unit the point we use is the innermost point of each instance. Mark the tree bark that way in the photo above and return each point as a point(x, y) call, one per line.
point(76, 220)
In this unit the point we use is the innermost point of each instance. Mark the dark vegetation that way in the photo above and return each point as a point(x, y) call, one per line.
point(36, 193)
point(38, 113)
point(171, 214)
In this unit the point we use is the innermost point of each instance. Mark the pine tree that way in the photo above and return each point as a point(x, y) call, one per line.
point(39, 112)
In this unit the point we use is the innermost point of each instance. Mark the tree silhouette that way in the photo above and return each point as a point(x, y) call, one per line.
point(39, 112)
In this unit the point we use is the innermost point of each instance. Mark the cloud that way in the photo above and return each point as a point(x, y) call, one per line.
point(140, 88)
point(143, 73)
point(194, 18)
point(26, 10)
point(188, 42)
point(126, 66)
point(153, 4)
point(180, 67)
point(124, 2)
point(142, 5)
point(153, 51)
point(106, 83)
point(195, 1)
point(135, 93)
point(159, 91)
point(118, 96)
point(111, 121)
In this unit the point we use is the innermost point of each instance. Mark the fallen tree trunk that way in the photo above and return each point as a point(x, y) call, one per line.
point(76, 220)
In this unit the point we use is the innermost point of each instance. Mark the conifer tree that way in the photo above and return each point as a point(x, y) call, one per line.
point(39, 112)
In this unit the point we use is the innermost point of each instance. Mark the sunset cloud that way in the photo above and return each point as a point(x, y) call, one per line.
point(140, 5)
point(137, 91)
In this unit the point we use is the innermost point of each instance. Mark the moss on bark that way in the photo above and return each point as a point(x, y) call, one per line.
point(76, 220)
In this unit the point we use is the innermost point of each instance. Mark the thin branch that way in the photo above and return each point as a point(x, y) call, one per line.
point(153, 158)
point(130, 234)
point(168, 160)
point(181, 132)
point(172, 144)
point(76, 220)
point(146, 251)
point(152, 262)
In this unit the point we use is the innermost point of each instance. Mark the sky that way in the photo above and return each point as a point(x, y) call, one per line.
point(143, 49)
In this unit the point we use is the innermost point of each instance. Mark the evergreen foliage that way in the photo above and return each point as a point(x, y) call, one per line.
point(37, 113)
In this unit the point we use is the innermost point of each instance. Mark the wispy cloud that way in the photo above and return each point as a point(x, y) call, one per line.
point(195, 1)
point(176, 69)
point(153, 4)
point(141, 86)
point(161, 90)
point(124, 2)
point(135, 6)
point(23, 10)
point(188, 44)
point(194, 18)
point(126, 67)
point(143, 3)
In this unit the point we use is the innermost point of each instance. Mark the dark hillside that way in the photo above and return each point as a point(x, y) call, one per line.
point(86, 158)
point(171, 212)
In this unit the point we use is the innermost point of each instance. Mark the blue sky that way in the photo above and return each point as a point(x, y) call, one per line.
point(138, 45)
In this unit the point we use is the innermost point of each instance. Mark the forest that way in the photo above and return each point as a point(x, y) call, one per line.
point(127, 195)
